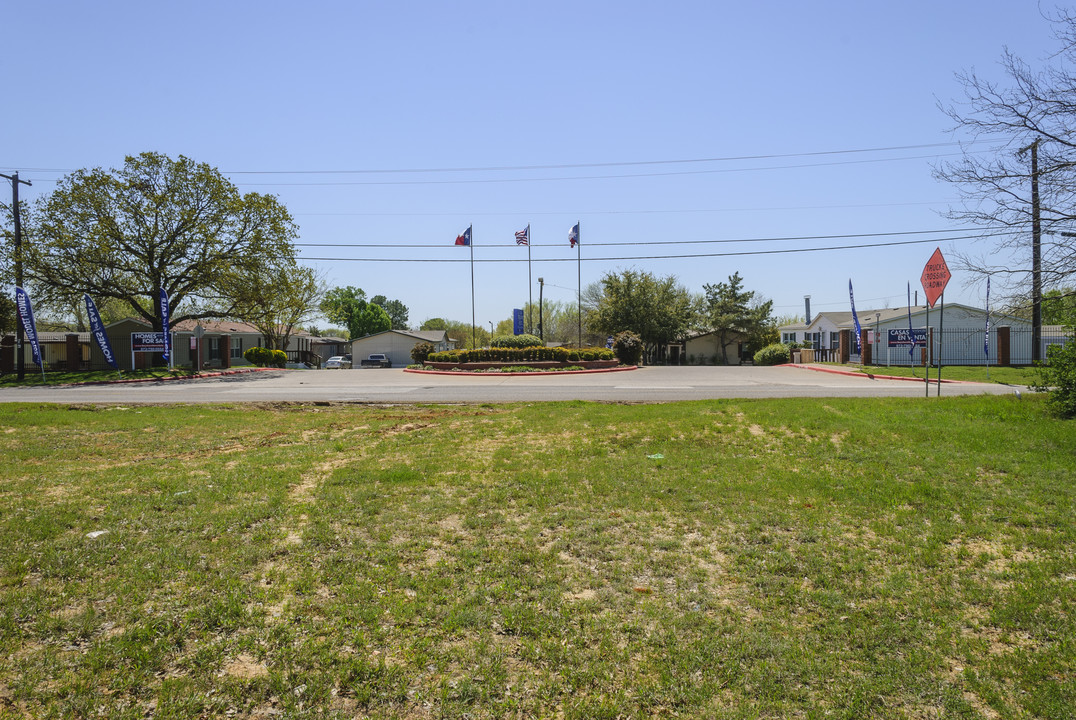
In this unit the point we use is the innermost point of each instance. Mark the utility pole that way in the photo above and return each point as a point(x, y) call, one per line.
point(541, 322)
point(19, 360)
point(1036, 255)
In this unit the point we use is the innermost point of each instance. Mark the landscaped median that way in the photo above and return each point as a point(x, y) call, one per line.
point(515, 369)
point(525, 360)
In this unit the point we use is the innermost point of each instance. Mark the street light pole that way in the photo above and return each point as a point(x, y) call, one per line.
point(541, 321)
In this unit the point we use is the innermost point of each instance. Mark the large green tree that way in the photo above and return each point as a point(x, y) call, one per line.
point(731, 311)
point(8, 311)
point(434, 324)
point(155, 223)
point(396, 309)
point(1059, 307)
point(349, 307)
point(658, 310)
point(276, 297)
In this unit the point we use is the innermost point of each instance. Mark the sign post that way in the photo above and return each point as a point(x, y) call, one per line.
point(934, 279)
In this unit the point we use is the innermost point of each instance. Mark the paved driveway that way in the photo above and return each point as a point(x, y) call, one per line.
point(650, 384)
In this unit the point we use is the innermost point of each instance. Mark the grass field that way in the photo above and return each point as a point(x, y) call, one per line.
point(33, 376)
point(965, 373)
point(808, 558)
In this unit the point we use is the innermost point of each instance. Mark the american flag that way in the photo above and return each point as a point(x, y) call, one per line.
point(573, 235)
point(523, 237)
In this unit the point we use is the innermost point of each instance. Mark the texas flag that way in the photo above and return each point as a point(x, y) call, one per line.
point(465, 238)
point(573, 235)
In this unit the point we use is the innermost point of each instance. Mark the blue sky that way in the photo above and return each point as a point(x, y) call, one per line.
point(333, 106)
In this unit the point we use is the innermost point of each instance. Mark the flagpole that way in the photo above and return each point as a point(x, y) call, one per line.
point(986, 341)
point(530, 285)
point(579, 286)
point(470, 233)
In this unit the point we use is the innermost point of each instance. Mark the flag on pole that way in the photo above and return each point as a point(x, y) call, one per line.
point(573, 235)
point(97, 329)
point(855, 318)
point(986, 342)
point(523, 237)
point(167, 354)
point(26, 317)
point(465, 238)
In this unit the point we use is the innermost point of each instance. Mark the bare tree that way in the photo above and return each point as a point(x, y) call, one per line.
point(1028, 127)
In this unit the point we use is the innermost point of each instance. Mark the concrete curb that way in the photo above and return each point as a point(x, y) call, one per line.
point(874, 376)
point(538, 373)
point(200, 376)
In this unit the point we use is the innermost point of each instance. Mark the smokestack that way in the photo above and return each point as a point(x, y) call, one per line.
point(807, 309)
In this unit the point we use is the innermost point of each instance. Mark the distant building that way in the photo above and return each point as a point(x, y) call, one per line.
point(960, 340)
point(396, 345)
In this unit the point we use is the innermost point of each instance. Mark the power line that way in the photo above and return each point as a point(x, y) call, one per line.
point(620, 176)
point(563, 166)
point(511, 168)
point(573, 166)
point(682, 242)
point(686, 211)
point(645, 257)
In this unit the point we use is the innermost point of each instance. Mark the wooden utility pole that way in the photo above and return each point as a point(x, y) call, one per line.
point(20, 363)
point(1036, 255)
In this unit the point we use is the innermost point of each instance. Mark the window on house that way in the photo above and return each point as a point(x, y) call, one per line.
point(788, 338)
point(237, 348)
point(834, 340)
point(214, 348)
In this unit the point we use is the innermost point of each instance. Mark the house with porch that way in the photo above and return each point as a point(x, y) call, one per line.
point(958, 338)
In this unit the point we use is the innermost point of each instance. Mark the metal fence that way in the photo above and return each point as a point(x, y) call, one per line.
point(963, 346)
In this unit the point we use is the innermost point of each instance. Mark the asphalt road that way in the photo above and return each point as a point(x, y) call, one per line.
point(394, 386)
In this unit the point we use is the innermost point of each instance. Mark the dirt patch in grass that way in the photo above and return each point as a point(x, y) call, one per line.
point(246, 667)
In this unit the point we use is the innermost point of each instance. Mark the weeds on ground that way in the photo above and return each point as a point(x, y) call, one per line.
point(731, 559)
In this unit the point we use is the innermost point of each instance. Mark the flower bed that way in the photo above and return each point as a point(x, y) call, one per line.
point(536, 364)
point(533, 356)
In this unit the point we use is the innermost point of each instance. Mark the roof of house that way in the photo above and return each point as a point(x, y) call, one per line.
point(867, 317)
point(59, 337)
point(432, 336)
point(216, 326)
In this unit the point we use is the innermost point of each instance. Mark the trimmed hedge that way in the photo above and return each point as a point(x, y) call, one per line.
point(532, 354)
point(776, 354)
point(516, 341)
point(264, 357)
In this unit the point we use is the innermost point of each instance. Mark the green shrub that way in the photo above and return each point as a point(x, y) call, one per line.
point(514, 355)
point(628, 348)
point(262, 357)
point(421, 352)
point(776, 354)
point(516, 341)
point(1058, 377)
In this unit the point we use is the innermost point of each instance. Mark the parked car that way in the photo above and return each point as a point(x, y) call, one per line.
point(338, 361)
point(376, 360)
